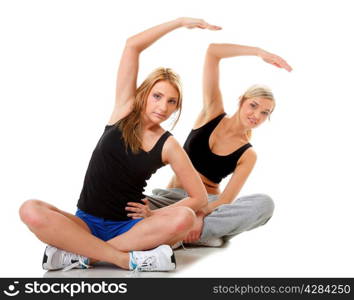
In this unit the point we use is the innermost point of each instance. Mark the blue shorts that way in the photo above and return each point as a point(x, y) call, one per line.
point(105, 229)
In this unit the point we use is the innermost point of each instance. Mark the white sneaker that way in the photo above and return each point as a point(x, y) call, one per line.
point(56, 259)
point(161, 258)
point(213, 242)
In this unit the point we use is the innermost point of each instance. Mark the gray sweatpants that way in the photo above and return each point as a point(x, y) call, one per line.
point(227, 220)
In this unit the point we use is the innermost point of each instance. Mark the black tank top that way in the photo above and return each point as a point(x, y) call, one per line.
point(212, 166)
point(116, 176)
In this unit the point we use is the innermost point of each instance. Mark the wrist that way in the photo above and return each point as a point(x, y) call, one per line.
point(153, 212)
point(204, 211)
point(179, 21)
point(259, 52)
point(201, 213)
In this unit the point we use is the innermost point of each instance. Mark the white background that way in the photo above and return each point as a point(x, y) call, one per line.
point(58, 62)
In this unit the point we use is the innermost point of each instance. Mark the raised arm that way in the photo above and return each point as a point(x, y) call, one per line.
point(212, 97)
point(129, 63)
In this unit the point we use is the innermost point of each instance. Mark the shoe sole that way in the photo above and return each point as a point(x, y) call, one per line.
point(45, 260)
point(45, 264)
point(170, 253)
point(173, 259)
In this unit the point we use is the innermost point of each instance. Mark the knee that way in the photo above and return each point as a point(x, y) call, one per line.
point(29, 213)
point(265, 206)
point(183, 219)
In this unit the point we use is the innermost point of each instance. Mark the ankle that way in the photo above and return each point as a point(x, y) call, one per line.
point(123, 261)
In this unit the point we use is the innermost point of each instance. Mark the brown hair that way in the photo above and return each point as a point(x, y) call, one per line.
point(256, 91)
point(131, 125)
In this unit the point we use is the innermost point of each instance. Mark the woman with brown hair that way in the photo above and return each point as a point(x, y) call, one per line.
point(132, 147)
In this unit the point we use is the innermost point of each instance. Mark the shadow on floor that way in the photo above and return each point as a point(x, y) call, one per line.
point(184, 258)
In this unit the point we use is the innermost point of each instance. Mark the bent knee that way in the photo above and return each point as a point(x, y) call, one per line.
point(29, 213)
point(265, 205)
point(183, 219)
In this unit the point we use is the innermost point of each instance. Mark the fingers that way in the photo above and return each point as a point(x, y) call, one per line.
point(212, 27)
point(135, 204)
point(135, 216)
point(187, 240)
point(286, 66)
point(278, 62)
point(136, 207)
point(281, 63)
point(137, 210)
point(191, 237)
point(133, 209)
point(200, 23)
point(215, 27)
point(145, 200)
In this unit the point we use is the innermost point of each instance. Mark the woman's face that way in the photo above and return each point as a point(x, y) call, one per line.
point(161, 102)
point(255, 111)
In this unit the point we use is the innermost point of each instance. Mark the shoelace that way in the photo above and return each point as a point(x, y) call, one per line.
point(137, 270)
point(68, 257)
point(145, 262)
point(178, 245)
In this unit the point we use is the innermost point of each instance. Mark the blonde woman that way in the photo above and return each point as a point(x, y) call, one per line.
point(219, 145)
point(132, 147)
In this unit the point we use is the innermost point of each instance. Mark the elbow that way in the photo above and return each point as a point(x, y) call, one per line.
point(202, 201)
point(131, 43)
point(212, 51)
point(212, 46)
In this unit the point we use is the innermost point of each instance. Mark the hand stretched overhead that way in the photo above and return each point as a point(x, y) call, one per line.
point(198, 23)
point(275, 60)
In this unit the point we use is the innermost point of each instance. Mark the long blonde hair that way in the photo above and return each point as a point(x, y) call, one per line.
point(256, 91)
point(131, 125)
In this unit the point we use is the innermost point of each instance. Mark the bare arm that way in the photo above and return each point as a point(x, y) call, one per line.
point(236, 182)
point(129, 63)
point(212, 97)
point(174, 154)
point(230, 192)
point(220, 51)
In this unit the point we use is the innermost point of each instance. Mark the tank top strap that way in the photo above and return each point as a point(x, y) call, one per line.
point(212, 123)
point(242, 149)
point(159, 145)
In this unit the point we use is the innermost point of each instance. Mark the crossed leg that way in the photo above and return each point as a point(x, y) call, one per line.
point(66, 231)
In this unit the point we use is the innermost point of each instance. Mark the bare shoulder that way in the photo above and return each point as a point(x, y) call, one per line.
point(249, 156)
point(171, 150)
point(171, 144)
